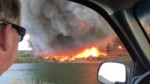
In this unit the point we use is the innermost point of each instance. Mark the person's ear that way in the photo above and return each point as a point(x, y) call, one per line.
point(8, 47)
point(6, 38)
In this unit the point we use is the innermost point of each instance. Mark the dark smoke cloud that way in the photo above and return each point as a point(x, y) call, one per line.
point(59, 25)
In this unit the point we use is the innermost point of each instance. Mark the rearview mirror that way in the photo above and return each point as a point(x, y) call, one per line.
point(111, 73)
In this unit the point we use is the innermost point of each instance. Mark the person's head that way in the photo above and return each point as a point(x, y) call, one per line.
point(10, 33)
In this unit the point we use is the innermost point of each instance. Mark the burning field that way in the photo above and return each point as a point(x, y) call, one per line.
point(91, 53)
point(63, 31)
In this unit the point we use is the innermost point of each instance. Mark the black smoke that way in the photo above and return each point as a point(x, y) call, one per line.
point(60, 25)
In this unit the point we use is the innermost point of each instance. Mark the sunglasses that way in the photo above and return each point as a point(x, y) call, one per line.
point(20, 30)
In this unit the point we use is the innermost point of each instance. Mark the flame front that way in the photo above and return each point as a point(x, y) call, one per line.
point(89, 52)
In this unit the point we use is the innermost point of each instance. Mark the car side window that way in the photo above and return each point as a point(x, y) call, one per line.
point(142, 11)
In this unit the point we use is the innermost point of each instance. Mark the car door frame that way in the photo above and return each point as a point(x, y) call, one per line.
point(124, 23)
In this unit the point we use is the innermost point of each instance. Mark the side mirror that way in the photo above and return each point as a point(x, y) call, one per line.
point(111, 73)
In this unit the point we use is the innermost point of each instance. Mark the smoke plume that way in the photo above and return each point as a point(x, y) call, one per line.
point(56, 25)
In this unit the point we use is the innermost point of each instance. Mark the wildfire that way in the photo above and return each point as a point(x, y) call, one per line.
point(89, 52)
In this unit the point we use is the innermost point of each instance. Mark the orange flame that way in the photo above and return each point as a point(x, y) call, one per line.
point(120, 47)
point(89, 52)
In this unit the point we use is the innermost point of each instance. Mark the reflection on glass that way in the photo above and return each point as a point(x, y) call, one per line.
point(142, 12)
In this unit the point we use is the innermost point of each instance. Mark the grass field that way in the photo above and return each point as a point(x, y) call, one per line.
point(31, 58)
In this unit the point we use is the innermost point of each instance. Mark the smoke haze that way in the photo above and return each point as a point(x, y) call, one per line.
point(56, 25)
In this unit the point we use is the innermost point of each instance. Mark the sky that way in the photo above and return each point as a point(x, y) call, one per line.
point(24, 45)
